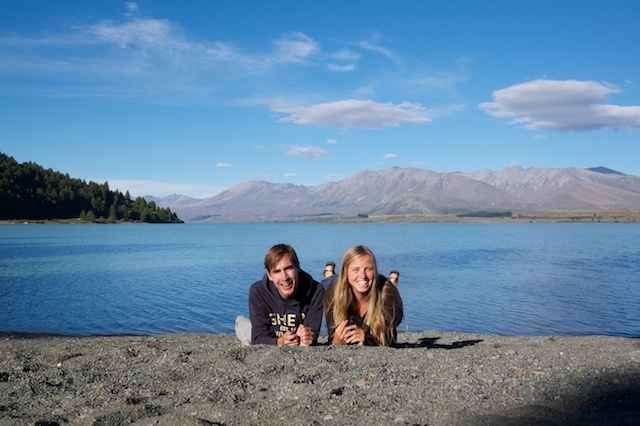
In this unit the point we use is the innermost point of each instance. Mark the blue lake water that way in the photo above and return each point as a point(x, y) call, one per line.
point(530, 279)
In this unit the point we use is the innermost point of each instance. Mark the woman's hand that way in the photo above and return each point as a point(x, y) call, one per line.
point(353, 334)
point(348, 334)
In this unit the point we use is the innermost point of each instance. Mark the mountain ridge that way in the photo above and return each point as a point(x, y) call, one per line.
point(401, 191)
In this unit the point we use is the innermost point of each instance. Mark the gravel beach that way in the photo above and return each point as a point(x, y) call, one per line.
point(433, 378)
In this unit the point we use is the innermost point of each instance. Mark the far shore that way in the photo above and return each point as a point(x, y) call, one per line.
point(626, 215)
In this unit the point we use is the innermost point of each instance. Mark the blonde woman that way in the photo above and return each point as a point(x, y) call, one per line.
point(362, 307)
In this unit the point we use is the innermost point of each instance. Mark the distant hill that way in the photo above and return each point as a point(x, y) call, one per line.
point(169, 199)
point(396, 191)
point(30, 192)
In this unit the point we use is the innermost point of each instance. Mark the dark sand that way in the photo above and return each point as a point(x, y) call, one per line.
point(434, 378)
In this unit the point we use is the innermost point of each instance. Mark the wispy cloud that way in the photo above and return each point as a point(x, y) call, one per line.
point(295, 47)
point(137, 58)
point(307, 151)
point(346, 55)
point(389, 156)
point(131, 8)
point(332, 141)
point(291, 175)
point(369, 45)
point(348, 61)
point(332, 176)
point(562, 105)
point(140, 57)
point(341, 68)
point(354, 113)
point(223, 166)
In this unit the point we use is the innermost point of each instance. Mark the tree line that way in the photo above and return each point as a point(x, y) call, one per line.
point(486, 214)
point(30, 192)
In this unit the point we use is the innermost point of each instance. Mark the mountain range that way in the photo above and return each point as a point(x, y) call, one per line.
point(396, 191)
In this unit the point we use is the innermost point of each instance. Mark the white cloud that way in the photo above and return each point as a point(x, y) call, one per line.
point(332, 176)
point(354, 113)
point(346, 55)
point(295, 47)
point(341, 68)
point(140, 188)
point(307, 151)
point(291, 175)
point(223, 166)
point(141, 57)
point(389, 156)
point(139, 32)
point(146, 42)
point(375, 48)
point(349, 59)
point(331, 141)
point(131, 8)
point(567, 105)
point(135, 56)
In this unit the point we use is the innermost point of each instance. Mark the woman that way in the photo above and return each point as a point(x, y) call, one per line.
point(362, 307)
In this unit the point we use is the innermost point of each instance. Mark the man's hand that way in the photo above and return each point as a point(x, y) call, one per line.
point(289, 339)
point(305, 334)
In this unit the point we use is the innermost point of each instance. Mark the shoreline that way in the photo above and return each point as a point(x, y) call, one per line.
point(622, 215)
point(433, 378)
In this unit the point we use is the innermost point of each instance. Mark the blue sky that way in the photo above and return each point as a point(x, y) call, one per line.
point(162, 97)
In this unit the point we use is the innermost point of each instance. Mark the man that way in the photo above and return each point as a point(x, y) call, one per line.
point(285, 307)
point(329, 269)
point(394, 276)
point(329, 275)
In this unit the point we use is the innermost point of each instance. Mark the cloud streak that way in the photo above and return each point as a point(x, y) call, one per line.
point(295, 47)
point(562, 105)
point(140, 57)
point(307, 151)
point(353, 113)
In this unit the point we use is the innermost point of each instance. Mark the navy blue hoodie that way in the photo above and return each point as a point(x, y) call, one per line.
point(271, 316)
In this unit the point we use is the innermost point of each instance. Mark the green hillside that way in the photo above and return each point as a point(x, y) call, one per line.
point(30, 192)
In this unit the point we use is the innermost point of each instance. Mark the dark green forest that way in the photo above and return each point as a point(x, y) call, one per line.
point(486, 214)
point(30, 192)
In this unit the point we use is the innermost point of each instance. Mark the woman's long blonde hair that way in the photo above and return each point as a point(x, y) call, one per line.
point(379, 327)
